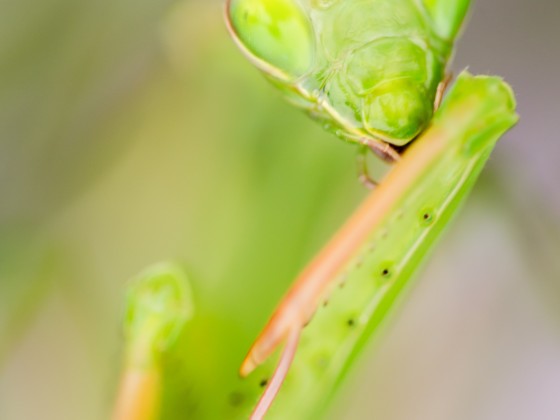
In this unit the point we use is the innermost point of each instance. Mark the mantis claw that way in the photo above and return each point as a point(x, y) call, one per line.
point(275, 333)
point(279, 374)
point(363, 173)
point(383, 151)
point(442, 87)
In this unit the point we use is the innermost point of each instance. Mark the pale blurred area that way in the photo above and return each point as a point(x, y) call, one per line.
point(134, 131)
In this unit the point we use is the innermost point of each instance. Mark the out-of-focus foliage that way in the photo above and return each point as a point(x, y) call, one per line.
point(133, 132)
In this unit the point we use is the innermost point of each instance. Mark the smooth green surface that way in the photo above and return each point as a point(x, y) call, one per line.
point(447, 15)
point(367, 68)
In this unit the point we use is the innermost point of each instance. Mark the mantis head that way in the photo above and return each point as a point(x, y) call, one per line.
point(368, 68)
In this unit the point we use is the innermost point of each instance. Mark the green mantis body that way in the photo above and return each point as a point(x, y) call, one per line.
point(352, 284)
point(372, 71)
point(369, 69)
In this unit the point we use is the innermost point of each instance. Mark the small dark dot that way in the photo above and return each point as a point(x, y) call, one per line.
point(427, 219)
point(427, 216)
point(385, 270)
point(325, 303)
point(236, 399)
point(321, 361)
point(350, 322)
point(263, 383)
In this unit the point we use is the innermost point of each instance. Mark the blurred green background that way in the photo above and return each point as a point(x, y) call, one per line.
point(134, 131)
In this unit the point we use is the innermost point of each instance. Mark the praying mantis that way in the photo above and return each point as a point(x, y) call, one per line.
point(373, 72)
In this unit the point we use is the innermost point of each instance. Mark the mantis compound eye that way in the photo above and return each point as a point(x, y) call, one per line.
point(275, 33)
point(397, 110)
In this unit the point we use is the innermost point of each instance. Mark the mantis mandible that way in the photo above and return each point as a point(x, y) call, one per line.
point(372, 71)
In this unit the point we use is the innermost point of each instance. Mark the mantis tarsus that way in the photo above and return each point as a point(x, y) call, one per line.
point(370, 69)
